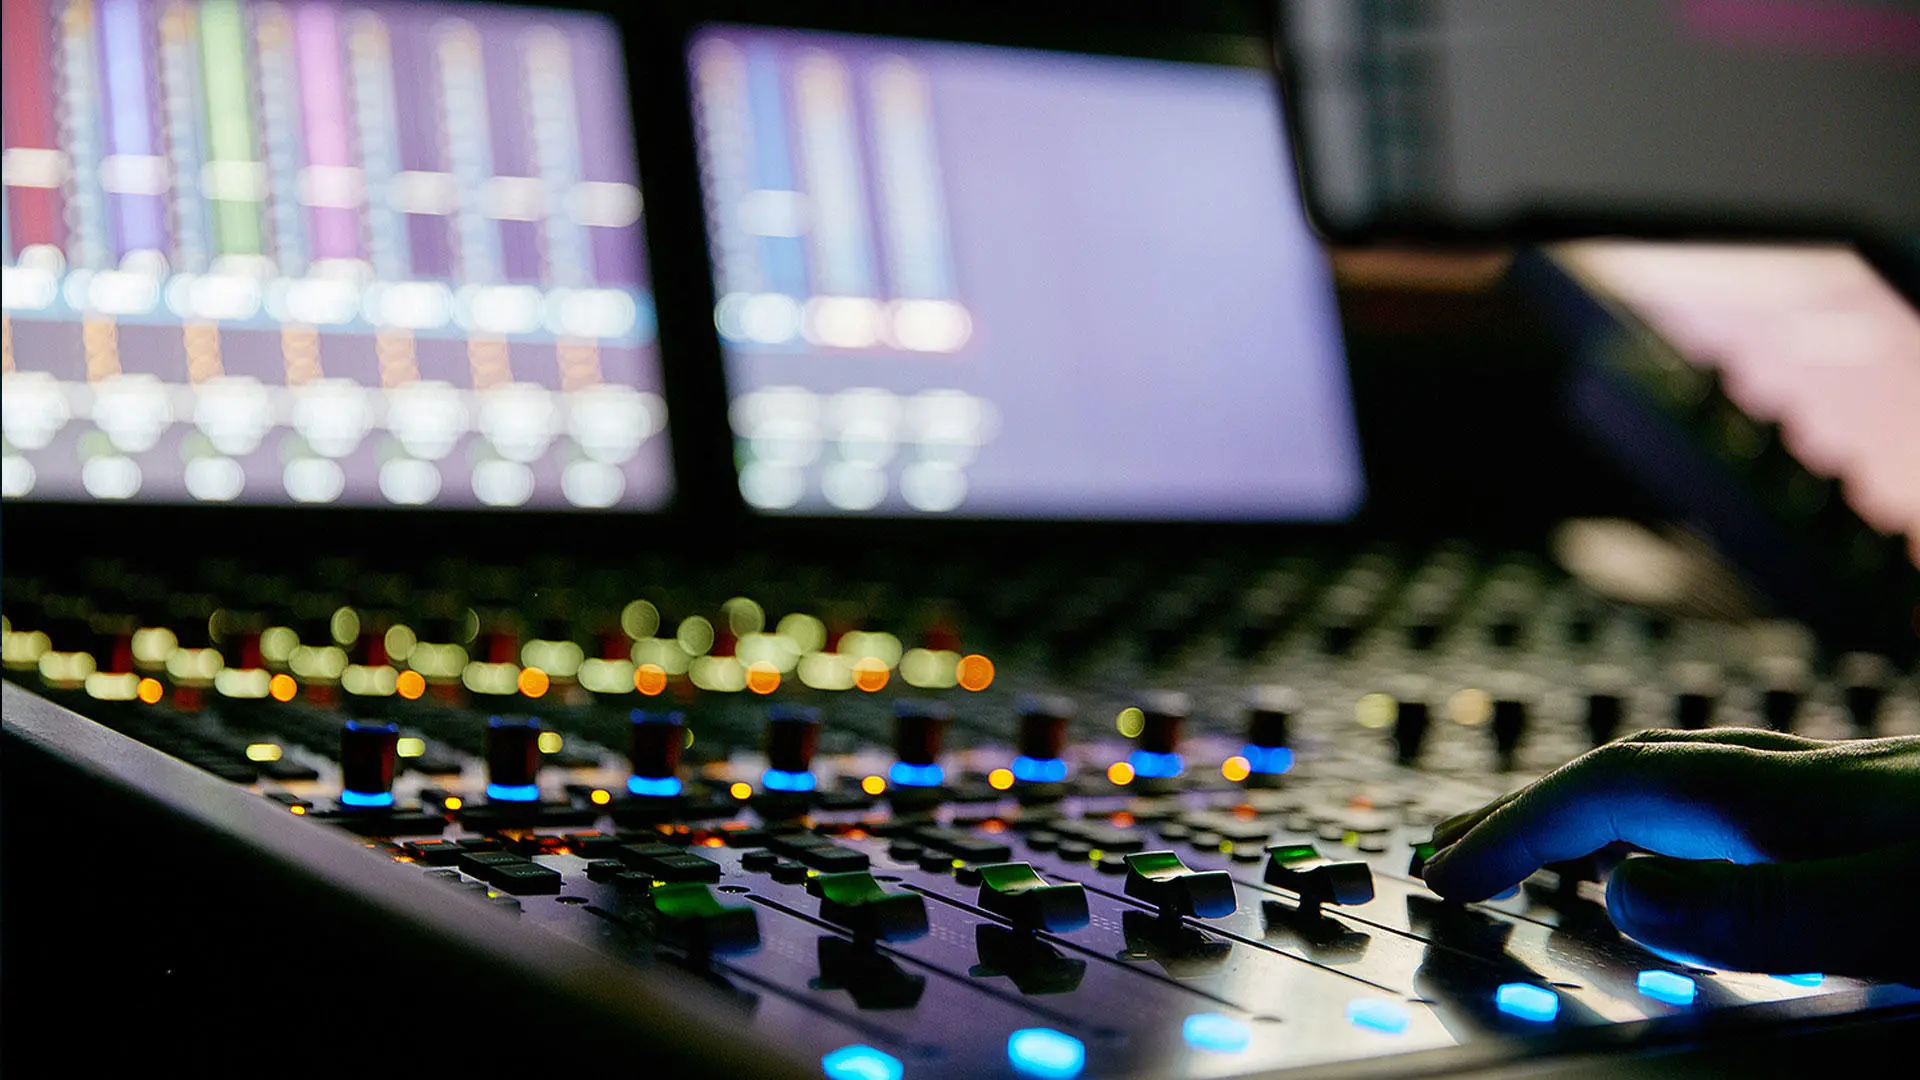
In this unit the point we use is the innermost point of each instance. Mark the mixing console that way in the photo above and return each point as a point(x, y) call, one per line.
point(1102, 819)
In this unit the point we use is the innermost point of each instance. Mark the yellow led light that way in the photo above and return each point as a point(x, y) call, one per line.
point(1470, 707)
point(958, 863)
point(282, 687)
point(873, 785)
point(1095, 855)
point(1236, 768)
point(1120, 773)
point(454, 802)
point(151, 691)
point(601, 796)
point(298, 809)
point(741, 790)
point(1000, 779)
point(1376, 710)
point(550, 742)
point(263, 751)
point(410, 746)
point(1130, 723)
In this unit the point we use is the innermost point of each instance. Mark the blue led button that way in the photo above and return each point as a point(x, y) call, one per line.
point(1153, 765)
point(519, 793)
point(788, 780)
point(654, 786)
point(1031, 770)
point(1807, 979)
point(1217, 1032)
point(1667, 986)
point(1267, 760)
point(366, 799)
point(1526, 1001)
point(1378, 1014)
point(367, 752)
point(923, 776)
point(1046, 1053)
point(859, 1062)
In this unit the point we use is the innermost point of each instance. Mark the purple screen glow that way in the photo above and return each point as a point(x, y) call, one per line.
point(994, 282)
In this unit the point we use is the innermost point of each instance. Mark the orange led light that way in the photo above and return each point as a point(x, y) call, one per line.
point(1000, 779)
point(975, 672)
point(873, 785)
point(870, 674)
point(1236, 768)
point(282, 687)
point(534, 682)
point(410, 685)
point(762, 677)
point(1123, 819)
point(713, 841)
point(601, 796)
point(150, 691)
point(1120, 773)
point(650, 679)
point(741, 790)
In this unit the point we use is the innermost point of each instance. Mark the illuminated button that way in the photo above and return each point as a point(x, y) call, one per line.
point(925, 776)
point(859, 1062)
point(367, 751)
point(1046, 1053)
point(1154, 765)
point(1808, 979)
point(1667, 986)
point(1217, 1032)
point(1526, 1001)
point(513, 793)
point(1032, 770)
point(1269, 712)
point(1378, 1014)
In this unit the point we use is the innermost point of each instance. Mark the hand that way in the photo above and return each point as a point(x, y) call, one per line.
point(1774, 852)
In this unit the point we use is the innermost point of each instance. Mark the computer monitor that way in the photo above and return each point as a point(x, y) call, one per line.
point(326, 252)
point(983, 281)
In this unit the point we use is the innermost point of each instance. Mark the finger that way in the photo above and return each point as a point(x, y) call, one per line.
point(1689, 799)
point(1453, 828)
point(1849, 915)
point(1753, 738)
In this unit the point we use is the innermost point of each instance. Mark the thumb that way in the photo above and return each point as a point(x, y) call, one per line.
point(1847, 916)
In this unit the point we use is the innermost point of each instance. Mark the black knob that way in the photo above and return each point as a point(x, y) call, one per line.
point(1270, 710)
point(1043, 725)
point(1783, 685)
point(1604, 709)
point(654, 742)
point(793, 734)
point(1863, 688)
point(367, 749)
point(1163, 714)
point(918, 730)
point(1509, 726)
point(1411, 719)
point(513, 759)
point(1696, 695)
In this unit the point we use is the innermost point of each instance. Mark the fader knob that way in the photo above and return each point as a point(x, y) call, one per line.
point(1696, 695)
point(654, 742)
point(1863, 688)
point(1411, 720)
point(1606, 703)
point(1509, 722)
point(367, 749)
point(513, 759)
point(793, 734)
